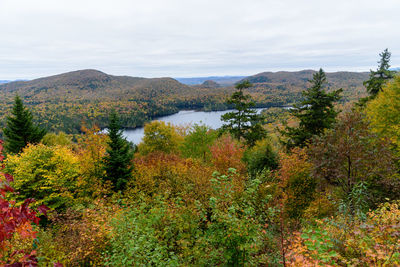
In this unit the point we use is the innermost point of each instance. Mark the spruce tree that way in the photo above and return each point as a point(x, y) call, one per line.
point(20, 129)
point(118, 167)
point(244, 123)
point(315, 113)
point(379, 77)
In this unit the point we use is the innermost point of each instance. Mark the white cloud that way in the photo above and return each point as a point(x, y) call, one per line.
point(193, 37)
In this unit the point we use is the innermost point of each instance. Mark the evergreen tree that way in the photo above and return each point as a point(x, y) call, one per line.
point(315, 113)
point(379, 77)
point(118, 168)
point(244, 123)
point(20, 129)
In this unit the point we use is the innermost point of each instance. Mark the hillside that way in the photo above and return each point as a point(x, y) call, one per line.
point(285, 87)
point(65, 101)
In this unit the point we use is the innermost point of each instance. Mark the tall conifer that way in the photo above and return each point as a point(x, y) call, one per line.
point(118, 166)
point(315, 113)
point(20, 129)
point(244, 122)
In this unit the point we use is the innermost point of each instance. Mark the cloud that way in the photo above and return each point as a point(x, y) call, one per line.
point(193, 38)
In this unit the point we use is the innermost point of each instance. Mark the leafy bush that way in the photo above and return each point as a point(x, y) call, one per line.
point(373, 241)
point(77, 237)
point(47, 174)
point(16, 229)
point(260, 157)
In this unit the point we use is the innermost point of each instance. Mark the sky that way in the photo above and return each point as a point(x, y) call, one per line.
point(193, 38)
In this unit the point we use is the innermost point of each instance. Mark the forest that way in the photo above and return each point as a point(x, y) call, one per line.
point(67, 101)
point(314, 185)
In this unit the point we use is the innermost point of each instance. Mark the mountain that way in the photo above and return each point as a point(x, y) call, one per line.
point(4, 81)
point(285, 87)
point(222, 80)
point(66, 101)
point(85, 97)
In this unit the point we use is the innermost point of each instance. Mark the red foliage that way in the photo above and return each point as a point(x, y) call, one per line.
point(15, 220)
point(227, 153)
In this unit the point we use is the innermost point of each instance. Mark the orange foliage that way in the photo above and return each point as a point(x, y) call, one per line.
point(171, 175)
point(227, 153)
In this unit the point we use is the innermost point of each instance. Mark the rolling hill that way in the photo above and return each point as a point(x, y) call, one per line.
point(285, 87)
point(85, 97)
point(65, 101)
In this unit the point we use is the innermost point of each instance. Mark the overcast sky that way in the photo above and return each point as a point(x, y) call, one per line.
point(187, 38)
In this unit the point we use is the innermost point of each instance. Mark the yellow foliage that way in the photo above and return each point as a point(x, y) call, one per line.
point(47, 174)
point(160, 136)
point(384, 112)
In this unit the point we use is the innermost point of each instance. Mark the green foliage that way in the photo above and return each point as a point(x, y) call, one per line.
point(372, 241)
point(384, 112)
point(234, 230)
point(53, 139)
point(157, 234)
point(197, 142)
point(244, 123)
point(315, 113)
point(118, 158)
point(378, 78)
point(159, 136)
point(47, 174)
point(20, 130)
point(260, 157)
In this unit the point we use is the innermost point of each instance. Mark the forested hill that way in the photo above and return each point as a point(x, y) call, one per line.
point(286, 87)
point(93, 84)
point(67, 101)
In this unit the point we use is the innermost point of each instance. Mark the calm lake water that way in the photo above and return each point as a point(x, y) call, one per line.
point(184, 117)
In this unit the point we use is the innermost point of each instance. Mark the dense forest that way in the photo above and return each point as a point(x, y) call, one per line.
point(67, 101)
point(314, 185)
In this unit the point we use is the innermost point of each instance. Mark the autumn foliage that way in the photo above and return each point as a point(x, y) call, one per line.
point(16, 226)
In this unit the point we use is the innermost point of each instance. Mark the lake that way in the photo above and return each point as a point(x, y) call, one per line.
point(184, 117)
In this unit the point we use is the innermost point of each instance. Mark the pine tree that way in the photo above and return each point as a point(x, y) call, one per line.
point(379, 77)
point(118, 168)
point(20, 129)
point(244, 123)
point(315, 113)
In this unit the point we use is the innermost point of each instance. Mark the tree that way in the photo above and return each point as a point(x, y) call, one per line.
point(350, 154)
point(315, 113)
point(379, 77)
point(48, 174)
point(160, 136)
point(261, 157)
point(244, 123)
point(384, 112)
point(196, 144)
point(20, 129)
point(117, 161)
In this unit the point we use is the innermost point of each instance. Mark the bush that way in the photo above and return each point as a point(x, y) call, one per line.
point(47, 174)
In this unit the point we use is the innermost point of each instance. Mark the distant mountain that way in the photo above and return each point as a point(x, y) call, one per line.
point(8, 81)
point(209, 84)
point(222, 80)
